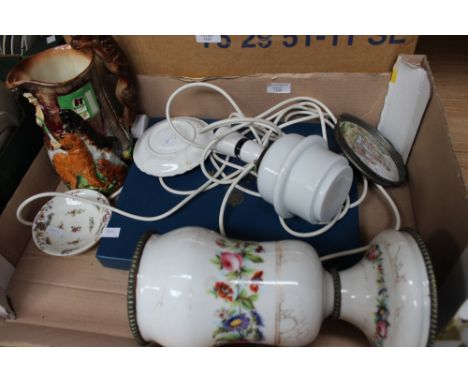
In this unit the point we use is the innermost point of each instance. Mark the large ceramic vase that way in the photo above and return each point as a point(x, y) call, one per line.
point(193, 287)
point(86, 128)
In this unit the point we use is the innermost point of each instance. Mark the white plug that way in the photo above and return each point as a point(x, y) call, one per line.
point(139, 126)
point(237, 146)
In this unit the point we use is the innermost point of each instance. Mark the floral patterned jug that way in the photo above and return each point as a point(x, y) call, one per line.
point(193, 287)
point(86, 130)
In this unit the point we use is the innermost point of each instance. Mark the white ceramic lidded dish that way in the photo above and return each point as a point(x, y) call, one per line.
point(160, 152)
point(66, 226)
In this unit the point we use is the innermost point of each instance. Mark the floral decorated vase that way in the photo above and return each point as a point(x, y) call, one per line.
point(193, 287)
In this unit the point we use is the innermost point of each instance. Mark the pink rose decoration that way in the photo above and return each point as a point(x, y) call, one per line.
point(231, 261)
point(373, 253)
point(382, 329)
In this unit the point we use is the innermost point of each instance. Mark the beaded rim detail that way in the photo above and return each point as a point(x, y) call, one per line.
point(336, 294)
point(132, 281)
point(432, 284)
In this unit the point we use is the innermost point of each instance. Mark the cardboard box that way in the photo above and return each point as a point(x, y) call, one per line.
point(215, 56)
point(75, 301)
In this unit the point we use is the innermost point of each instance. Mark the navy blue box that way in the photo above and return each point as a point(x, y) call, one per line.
point(246, 217)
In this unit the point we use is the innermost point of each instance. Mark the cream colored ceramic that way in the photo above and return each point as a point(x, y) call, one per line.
point(67, 227)
point(193, 287)
point(160, 152)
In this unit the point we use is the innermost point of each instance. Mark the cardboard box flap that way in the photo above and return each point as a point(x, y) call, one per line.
point(14, 236)
point(16, 334)
point(227, 55)
point(74, 293)
point(6, 271)
point(438, 191)
point(355, 93)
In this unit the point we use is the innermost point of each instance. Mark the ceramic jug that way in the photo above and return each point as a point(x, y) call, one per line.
point(86, 128)
point(194, 287)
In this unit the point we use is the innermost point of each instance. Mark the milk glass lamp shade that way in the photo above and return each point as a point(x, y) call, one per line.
point(301, 177)
point(194, 287)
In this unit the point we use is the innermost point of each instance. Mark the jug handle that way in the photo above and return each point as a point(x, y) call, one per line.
point(117, 63)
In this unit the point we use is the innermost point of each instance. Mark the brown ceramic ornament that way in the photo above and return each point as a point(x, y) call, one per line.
point(86, 131)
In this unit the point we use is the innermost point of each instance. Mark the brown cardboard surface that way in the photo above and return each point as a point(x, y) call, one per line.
point(439, 196)
point(182, 56)
point(14, 236)
point(68, 301)
point(355, 93)
point(70, 293)
point(16, 334)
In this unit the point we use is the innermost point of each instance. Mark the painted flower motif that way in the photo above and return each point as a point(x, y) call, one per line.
point(382, 313)
point(239, 319)
point(230, 261)
point(223, 290)
point(223, 313)
point(256, 318)
point(41, 226)
point(74, 242)
point(237, 322)
point(257, 276)
point(91, 223)
point(373, 253)
point(75, 211)
point(258, 336)
point(381, 328)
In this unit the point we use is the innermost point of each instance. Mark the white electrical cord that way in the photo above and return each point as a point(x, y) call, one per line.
point(264, 128)
point(105, 206)
point(354, 251)
point(304, 109)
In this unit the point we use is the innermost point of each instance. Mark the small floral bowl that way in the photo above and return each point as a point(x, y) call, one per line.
point(67, 227)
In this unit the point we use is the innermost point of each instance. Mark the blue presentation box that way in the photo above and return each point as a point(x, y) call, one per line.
point(246, 217)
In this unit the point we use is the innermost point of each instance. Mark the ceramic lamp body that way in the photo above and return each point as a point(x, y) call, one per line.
point(193, 287)
point(196, 288)
point(387, 294)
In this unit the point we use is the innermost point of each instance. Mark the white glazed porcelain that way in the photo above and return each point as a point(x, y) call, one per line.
point(300, 176)
point(193, 287)
point(67, 227)
point(160, 152)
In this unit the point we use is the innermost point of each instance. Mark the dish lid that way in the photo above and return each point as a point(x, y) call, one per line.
point(160, 152)
point(369, 151)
